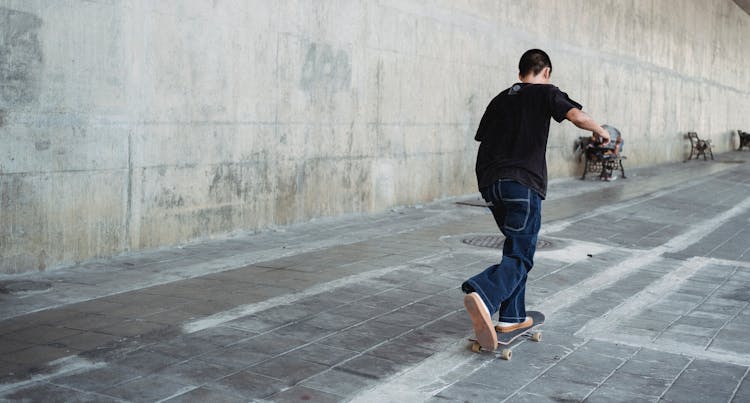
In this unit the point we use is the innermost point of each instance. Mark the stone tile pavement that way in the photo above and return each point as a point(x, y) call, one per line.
point(645, 283)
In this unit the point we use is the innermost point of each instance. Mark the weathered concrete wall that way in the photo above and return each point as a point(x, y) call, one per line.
point(133, 124)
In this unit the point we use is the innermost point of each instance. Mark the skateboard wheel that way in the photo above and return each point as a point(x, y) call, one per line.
point(506, 354)
point(476, 347)
point(536, 336)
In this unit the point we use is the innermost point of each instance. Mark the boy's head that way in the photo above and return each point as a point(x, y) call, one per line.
point(535, 67)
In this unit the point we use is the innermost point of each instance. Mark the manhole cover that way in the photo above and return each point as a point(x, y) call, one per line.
point(496, 241)
point(20, 287)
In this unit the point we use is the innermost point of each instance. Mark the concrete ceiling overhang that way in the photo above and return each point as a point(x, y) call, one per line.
point(744, 4)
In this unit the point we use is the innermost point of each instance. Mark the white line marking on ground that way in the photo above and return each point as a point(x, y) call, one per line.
point(59, 367)
point(569, 296)
point(181, 391)
point(249, 309)
point(647, 297)
point(423, 380)
point(674, 347)
point(727, 262)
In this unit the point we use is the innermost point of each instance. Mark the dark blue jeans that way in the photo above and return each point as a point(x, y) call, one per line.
point(517, 211)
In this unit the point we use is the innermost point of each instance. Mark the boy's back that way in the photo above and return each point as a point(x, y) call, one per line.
point(514, 131)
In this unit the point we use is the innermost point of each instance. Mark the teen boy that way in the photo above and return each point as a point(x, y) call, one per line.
point(511, 170)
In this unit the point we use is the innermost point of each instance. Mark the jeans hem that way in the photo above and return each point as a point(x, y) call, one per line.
point(512, 319)
point(482, 295)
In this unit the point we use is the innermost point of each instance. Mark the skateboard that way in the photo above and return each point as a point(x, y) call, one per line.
point(504, 340)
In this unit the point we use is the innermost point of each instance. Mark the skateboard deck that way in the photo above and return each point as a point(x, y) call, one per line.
point(504, 340)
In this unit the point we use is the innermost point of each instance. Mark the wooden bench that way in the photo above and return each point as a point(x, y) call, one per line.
point(699, 146)
point(599, 160)
point(744, 139)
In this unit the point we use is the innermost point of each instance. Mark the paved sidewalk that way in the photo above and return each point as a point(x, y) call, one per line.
point(645, 283)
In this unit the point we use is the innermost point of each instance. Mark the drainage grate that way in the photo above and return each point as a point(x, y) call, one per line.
point(496, 241)
point(20, 287)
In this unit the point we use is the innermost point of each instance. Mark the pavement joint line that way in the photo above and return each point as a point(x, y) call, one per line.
point(553, 272)
point(728, 321)
point(737, 388)
point(62, 366)
point(599, 385)
point(725, 241)
point(249, 309)
point(671, 383)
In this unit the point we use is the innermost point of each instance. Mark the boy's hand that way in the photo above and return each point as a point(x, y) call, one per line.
point(603, 136)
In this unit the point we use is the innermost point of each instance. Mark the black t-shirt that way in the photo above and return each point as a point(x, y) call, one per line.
point(513, 133)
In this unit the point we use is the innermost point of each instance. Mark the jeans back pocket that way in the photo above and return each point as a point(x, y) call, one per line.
point(516, 200)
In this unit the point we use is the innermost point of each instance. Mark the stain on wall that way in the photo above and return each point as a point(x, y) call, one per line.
point(21, 58)
point(326, 68)
point(226, 183)
point(18, 194)
point(169, 199)
point(42, 145)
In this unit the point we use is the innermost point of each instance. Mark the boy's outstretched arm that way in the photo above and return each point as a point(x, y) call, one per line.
point(583, 121)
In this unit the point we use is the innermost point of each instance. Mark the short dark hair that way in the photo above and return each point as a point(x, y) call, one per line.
point(534, 60)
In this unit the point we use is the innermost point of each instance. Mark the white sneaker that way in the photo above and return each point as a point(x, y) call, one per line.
point(507, 327)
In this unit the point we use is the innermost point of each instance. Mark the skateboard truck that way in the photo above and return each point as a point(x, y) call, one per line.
point(504, 340)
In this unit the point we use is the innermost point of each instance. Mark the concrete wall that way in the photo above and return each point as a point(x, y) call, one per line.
point(135, 124)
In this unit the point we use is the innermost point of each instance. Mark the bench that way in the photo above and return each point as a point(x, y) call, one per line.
point(699, 146)
point(744, 139)
point(599, 160)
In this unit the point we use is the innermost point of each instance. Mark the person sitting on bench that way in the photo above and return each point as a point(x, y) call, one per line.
point(608, 151)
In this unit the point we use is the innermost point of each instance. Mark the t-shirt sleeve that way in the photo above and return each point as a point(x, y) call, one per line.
point(560, 104)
